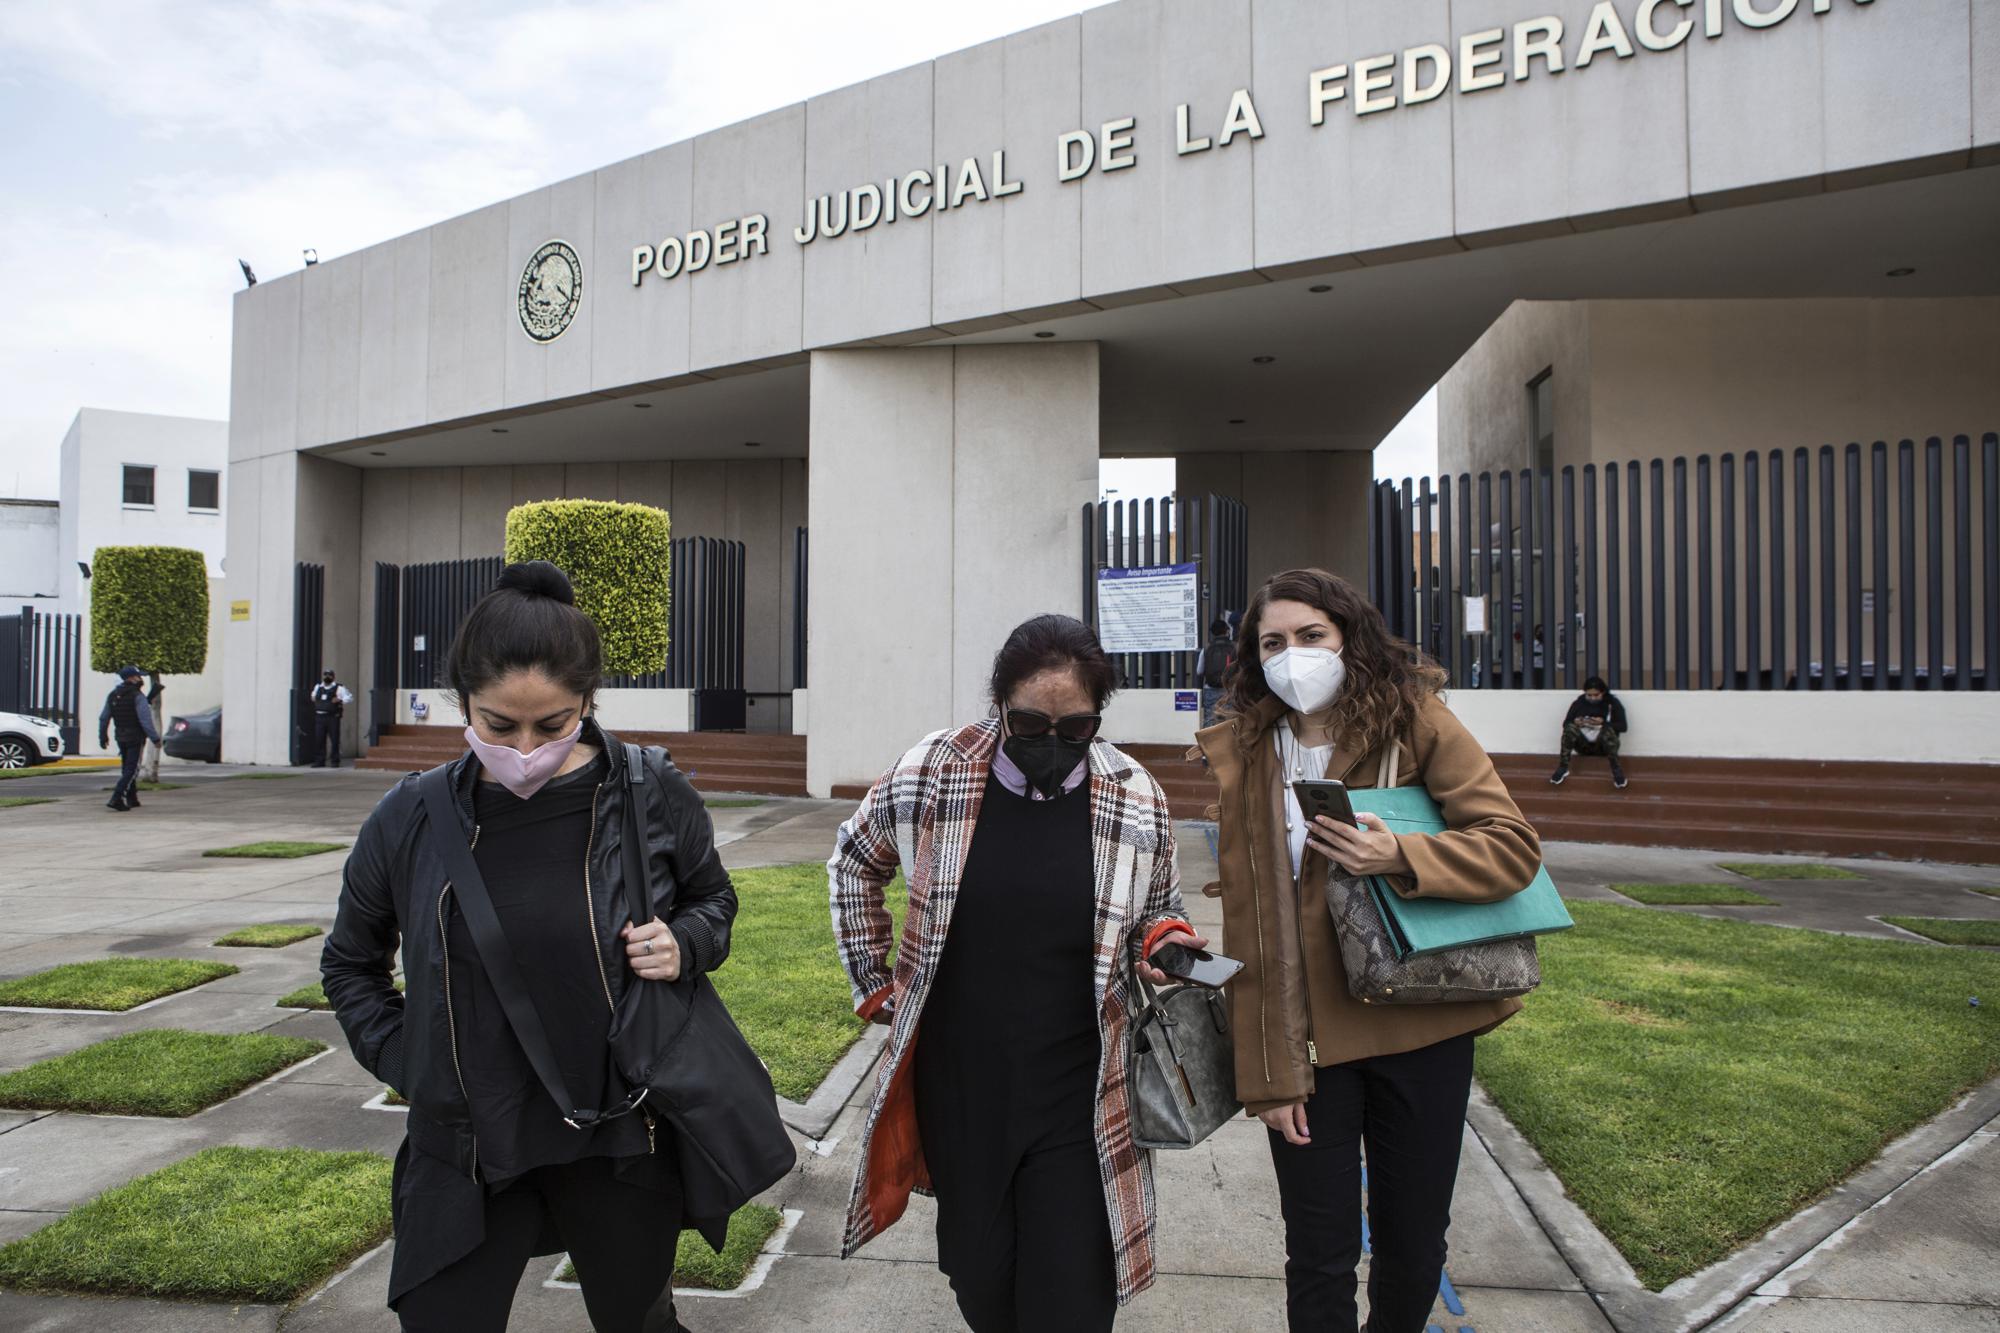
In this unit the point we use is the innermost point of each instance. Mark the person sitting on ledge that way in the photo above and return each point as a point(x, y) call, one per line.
point(1593, 725)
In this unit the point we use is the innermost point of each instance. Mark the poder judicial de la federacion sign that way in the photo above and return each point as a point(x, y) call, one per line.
point(1478, 62)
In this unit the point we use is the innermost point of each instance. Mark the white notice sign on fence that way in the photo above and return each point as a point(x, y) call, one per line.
point(1153, 609)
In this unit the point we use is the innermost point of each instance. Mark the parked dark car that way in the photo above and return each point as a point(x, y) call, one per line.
point(196, 736)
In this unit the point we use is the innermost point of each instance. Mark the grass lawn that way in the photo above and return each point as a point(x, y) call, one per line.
point(109, 983)
point(1691, 895)
point(277, 850)
point(267, 937)
point(60, 766)
point(1695, 1081)
point(228, 1224)
point(696, 1265)
point(783, 981)
point(744, 803)
point(10, 802)
point(1950, 930)
point(312, 996)
point(1782, 870)
point(162, 1071)
point(1991, 893)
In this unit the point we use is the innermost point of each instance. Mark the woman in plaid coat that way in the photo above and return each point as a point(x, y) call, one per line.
point(1040, 864)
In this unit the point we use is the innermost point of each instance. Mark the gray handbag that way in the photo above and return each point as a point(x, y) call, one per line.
point(1181, 1066)
point(1376, 974)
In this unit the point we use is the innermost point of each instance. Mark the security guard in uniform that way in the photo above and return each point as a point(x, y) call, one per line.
point(329, 701)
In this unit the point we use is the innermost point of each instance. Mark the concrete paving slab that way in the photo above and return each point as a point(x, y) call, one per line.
point(16, 1223)
point(216, 1012)
point(1495, 1240)
point(1504, 1310)
point(1800, 1315)
point(23, 1313)
point(1218, 1206)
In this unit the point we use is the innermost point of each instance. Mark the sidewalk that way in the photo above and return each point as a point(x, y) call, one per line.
point(77, 881)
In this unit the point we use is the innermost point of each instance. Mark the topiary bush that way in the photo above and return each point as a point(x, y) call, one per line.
point(149, 607)
point(616, 556)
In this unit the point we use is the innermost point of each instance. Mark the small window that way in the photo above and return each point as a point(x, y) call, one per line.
point(204, 491)
point(1542, 422)
point(139, 486)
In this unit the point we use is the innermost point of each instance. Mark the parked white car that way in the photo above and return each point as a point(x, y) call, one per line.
point(26, 741)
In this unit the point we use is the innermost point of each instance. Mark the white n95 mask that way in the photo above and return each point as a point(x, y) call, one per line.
point(1306, 678)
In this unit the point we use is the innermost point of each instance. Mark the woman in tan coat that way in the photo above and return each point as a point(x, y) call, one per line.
point(1322, 690)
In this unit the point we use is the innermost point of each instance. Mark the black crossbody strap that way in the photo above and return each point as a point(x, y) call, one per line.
point(494, 954)
point(637, 891)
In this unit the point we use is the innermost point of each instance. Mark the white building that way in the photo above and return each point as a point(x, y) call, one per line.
point(914, 314)
point(29, 546)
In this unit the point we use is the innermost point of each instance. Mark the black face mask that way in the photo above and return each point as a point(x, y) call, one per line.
point(1046, 760)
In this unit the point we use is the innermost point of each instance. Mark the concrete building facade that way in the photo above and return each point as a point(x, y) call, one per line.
point(916, 311)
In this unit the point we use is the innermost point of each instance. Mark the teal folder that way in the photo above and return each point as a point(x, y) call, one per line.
point(1419, 926)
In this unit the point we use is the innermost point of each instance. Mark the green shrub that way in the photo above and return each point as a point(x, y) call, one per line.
point(616, 556)
point(149, 607)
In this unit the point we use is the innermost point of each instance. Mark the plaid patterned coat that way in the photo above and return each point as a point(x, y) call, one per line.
point(920, 816)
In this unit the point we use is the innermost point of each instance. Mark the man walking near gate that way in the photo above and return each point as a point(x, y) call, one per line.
point(127, 713)
point(329, 700)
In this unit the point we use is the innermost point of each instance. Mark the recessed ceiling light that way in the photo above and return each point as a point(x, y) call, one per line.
point(378, 453)
point(1044, 333)
point(499, 430)
point(1236, 421)
point(753, 444)
point(642, 404)
point(1319, 288)
point(1901, 272)
point(1263, 360)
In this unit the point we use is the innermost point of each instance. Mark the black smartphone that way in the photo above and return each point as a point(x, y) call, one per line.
point(1326, 796)
point(1195, 965)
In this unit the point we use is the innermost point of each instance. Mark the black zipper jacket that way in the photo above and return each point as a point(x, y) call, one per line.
point(395, 891)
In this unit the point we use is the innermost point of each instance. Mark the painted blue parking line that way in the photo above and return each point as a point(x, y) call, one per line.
point(1208, 832)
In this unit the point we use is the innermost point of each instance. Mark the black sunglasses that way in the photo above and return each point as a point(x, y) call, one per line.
point(1030, 725)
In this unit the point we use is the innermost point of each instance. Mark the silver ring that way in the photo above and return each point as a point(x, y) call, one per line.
point(648, 944)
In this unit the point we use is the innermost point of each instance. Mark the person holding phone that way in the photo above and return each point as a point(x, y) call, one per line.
point(1325, 692)
point(1040, 863)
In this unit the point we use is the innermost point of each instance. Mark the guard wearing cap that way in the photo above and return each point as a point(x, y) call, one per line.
point(128, 714)
point(329, 700)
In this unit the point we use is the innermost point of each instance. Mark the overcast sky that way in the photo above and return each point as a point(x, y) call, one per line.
point(150, 143)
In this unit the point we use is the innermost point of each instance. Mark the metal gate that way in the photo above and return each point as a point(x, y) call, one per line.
point(41, 665)
point(308, 651)
point(1212, 531)
point(388, 643)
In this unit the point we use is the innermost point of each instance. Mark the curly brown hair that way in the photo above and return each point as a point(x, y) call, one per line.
point(1388, 678)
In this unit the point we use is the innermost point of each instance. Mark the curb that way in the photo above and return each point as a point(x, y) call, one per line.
point(823, 1107)
point(1701, 1299)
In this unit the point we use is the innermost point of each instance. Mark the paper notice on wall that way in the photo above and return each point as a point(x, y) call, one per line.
point(1153, 609)
point(1475, 615)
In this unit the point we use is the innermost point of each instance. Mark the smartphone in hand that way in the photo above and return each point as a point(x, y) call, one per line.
point(1195, 965)
point(1327, 796)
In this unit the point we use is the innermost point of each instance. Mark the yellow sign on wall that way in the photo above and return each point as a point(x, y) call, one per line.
point(239, 610)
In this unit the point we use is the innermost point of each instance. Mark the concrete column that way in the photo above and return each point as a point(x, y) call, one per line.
point(945, 505)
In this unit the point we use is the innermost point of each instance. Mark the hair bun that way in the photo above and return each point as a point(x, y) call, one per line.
point(538, 578)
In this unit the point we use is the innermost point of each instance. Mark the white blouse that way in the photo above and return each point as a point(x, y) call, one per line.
point(1297, 762)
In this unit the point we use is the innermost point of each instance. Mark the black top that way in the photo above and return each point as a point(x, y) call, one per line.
point(1008, 1057)
point(1606, 709)
point(531, 854)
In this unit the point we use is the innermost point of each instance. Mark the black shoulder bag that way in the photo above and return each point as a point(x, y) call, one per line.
point(674, 1043)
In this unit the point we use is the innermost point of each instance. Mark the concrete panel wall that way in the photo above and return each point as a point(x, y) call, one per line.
point(1483, 402)
point(1305, 509)
point(878, 281)
point(639, 336)
point(1985, 84)
point(264, 383)
point(330, 351)
point(749, 311)
point(472, 296)
point(327, 532)
point(561, 368)
point(929, 435)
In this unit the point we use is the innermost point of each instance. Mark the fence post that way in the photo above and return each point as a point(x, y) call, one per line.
point(1506, 607)
point(1934, 560)
point(1727, 676)
point(1961, 585)
point(1753, 578)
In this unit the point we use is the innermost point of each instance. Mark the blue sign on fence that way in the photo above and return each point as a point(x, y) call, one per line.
point(1187, 701)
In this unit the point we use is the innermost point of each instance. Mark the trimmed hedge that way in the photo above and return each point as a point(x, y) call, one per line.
point(149, 607)
point(616, 556)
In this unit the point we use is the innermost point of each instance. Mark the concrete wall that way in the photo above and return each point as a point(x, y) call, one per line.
point(926, 549)
point(422, 329)
point(1483, 401)
point(30, 532)
point(1306, 509)
point(96, 449)
point(1892, 727)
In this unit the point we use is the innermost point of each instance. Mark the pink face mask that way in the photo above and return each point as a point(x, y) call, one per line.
point(523, 774)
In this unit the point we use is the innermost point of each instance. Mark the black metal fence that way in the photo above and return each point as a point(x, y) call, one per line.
point(41, 668)
point(801, 566)
point(1212, 531)
point(308, 651)
point(420, 607)
point(1768, 570)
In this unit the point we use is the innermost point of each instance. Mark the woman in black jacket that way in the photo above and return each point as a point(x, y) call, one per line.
point(491, 1173)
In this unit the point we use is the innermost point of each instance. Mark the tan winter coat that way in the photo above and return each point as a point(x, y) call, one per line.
point(1290, 1005)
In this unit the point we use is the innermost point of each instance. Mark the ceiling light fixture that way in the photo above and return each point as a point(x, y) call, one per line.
point(1263, 360)
point(1319, 288)
point(499, 430)
point(377, 453)
point(642, 404)
point(753, 444)
point(1236, 421)
point(1901, 272)
point(1044, 333)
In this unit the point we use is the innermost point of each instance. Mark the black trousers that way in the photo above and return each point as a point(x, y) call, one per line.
point(1038, 1258)
point(129, 754)
point(622, 1239)
point(1409, 1109)
point(326, 728)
